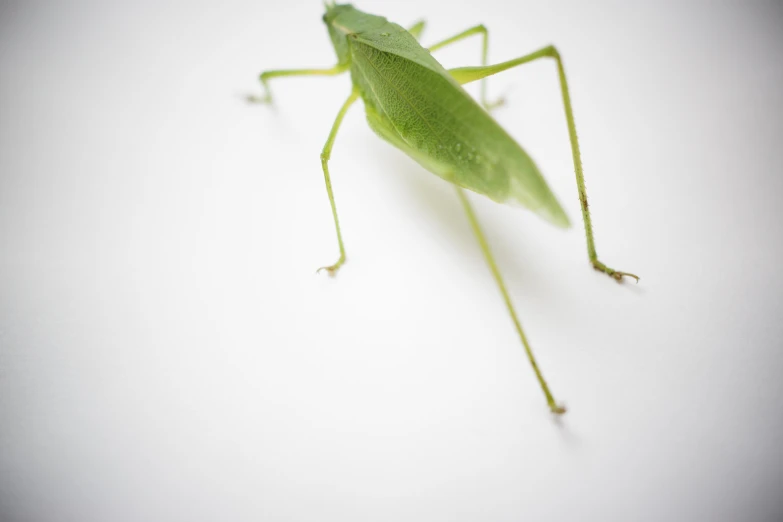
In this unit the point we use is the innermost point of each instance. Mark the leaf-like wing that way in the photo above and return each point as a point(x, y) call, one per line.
point(414, 103)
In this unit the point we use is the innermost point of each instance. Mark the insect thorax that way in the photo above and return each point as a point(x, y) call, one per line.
point(345, 20)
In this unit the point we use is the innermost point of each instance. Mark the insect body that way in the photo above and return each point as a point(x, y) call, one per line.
point(415, 104)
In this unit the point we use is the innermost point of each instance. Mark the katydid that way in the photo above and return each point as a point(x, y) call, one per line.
point(418, 106)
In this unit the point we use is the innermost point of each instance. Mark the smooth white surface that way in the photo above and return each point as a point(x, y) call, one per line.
point(168, 353)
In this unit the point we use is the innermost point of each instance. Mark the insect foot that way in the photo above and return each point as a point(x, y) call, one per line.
point(332, 269)
point(490, 106)
point(557, 409)
point(263, 100)
point(616, 274)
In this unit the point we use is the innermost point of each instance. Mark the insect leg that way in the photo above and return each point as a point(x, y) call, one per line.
point(325, 155)
point(483, 31)
point(469, 74)
point(417, 28)
point(556, 408)
point(267, 75)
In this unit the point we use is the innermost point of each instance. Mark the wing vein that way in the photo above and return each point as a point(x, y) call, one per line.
point(410, 104)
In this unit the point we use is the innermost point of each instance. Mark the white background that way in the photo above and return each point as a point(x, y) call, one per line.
point(167, 351)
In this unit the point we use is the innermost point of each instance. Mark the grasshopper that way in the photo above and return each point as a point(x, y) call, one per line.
point(421, 108)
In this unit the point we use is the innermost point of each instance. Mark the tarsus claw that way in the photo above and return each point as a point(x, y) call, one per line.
point(332, 269)
point(619, 276)
point(557, 409)
point(616, 274)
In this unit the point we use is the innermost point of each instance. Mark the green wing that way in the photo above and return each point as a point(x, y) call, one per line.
point(413, 103)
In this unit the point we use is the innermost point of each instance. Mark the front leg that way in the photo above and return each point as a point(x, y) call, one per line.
point(268, 75)
point(325, 155)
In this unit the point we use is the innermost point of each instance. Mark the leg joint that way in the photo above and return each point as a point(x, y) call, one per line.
point(583, 200)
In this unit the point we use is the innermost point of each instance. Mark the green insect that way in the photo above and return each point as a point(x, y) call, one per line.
point(415, 104)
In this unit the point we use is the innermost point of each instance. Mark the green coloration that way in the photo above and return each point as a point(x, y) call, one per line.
point(325, 155)
point(415, 104)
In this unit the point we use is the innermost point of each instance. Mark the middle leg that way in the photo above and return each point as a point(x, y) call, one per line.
point(478, 29)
